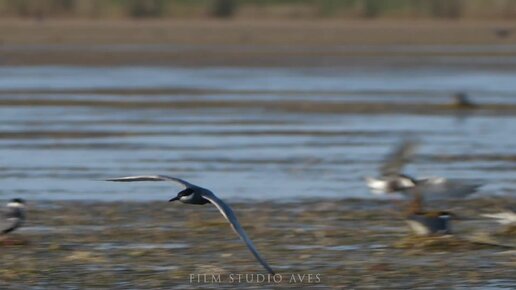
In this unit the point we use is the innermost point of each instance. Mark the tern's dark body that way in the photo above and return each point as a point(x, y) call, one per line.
point(192, 196)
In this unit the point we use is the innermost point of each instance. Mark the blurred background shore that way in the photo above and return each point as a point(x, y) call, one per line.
point(272, 9)
point(250, 33)
point(210, 42)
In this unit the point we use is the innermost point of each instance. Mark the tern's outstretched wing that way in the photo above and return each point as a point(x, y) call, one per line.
point(228, 213)
point(395, 161)
point(151, 178)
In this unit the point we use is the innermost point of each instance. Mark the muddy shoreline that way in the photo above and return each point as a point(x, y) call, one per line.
point(250, 42)
point(351, 244)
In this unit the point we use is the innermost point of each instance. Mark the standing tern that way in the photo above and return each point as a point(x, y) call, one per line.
point(193, 194)
point(426, 223)
point(14, 216)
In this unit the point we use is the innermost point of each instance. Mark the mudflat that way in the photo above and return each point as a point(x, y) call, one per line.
point(243, 42)
point(342, 243)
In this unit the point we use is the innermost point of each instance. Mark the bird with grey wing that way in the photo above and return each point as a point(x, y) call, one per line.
point(193, 194)
point(393, 180)
point(14, 216)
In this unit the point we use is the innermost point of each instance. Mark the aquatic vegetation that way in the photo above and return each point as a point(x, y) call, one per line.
point(158, 252)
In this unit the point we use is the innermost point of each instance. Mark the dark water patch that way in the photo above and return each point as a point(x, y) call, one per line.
point(292, 106)
point(472, 157)
point(63, 134)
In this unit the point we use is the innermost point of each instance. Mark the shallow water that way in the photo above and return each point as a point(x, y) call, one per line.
point(62, 150)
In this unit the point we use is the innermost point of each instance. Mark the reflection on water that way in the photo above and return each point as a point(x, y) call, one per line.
point(61, 152)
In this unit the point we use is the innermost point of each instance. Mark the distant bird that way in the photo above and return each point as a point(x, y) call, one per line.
point(392, 180)
point(193, 194)
point(506, 217)
point(462, 101)
point(426, 223)
point(14, 216)
point(502, 32)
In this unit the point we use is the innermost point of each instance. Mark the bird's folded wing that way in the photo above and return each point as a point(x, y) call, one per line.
point(451, 188)
point(150, 178)
point(228, 213)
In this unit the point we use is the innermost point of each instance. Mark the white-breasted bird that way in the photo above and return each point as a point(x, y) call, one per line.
point(14, 216)
point(427, 223)
point(193, 194)
point(392, 179)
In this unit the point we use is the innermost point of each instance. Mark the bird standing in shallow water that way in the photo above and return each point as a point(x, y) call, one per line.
point(193, 194)
point(14, 217)
point(461, 101)
point(426, 223)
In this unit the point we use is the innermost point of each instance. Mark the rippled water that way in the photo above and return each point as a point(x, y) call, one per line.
point(62, 150)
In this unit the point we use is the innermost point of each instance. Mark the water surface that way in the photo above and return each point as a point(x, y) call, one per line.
point(63, 151)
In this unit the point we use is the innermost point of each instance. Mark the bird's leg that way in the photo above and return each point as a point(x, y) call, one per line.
point(416, 204)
